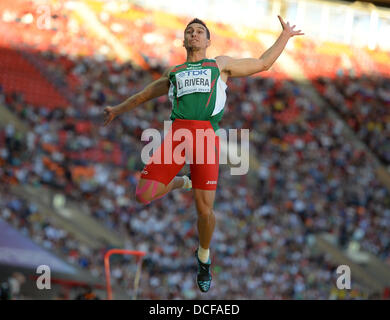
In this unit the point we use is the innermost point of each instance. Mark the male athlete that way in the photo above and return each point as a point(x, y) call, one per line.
point(196, 90)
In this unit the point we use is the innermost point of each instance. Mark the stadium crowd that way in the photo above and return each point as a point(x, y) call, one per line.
point(364, 104)
point(307, 183)
point(311, 178)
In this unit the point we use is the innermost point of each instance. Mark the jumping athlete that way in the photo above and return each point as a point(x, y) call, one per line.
point(196, 90)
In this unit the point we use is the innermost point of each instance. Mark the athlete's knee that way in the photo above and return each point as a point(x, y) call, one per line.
point(204, 211)
point(204, 198)
point(141, 198)
point(147, 192)
point(141, 193)
point(204, 207)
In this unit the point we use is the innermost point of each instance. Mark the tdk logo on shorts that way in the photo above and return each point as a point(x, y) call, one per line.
point(211, 182)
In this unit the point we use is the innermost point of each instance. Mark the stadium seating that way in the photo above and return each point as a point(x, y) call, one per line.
point(307, 182)
point(18, 75)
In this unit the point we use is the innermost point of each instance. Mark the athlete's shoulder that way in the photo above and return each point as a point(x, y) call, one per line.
point(208, 62)
point(177, 68)
point(222, 61)
point(223, 58)
point(167, 71)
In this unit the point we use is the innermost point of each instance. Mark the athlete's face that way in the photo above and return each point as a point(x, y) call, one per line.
point(195, 37)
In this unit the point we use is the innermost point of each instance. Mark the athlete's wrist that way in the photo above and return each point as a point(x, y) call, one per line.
point(117, 110)
point(286, 34)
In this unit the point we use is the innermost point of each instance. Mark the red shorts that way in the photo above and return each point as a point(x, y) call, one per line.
point(187, 141)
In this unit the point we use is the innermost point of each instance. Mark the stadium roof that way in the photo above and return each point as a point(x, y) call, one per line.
point(380, 3)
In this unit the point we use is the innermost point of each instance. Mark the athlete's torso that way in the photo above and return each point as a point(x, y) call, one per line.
point(197, 91)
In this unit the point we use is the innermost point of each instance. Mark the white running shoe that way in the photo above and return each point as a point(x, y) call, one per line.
point(187, 183)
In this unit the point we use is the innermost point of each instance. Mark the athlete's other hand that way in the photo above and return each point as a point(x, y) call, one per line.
point(109, 115)
point(289, 30)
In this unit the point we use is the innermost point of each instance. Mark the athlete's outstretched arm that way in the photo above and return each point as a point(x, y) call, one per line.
point(248, 66)
point(155, 89)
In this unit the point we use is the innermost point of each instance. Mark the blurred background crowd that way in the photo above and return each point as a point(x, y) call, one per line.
point(310, 177)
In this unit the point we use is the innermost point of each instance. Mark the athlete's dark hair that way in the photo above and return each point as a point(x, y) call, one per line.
point(196, 20)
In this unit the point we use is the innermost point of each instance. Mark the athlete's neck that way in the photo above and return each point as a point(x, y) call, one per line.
point(193, 56)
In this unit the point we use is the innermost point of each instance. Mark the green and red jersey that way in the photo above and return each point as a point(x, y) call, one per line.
point(197, 92)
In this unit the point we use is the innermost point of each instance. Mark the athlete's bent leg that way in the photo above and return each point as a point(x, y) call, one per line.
point(148, 190)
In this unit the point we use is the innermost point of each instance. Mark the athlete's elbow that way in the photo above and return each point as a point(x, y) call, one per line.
point(266, 67)
point(260, 69)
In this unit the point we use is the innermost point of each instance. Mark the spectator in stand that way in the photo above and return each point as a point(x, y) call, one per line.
point(10, 289)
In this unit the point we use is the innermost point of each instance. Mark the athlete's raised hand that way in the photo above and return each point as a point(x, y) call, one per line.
point(289, 29)
point(109, 115)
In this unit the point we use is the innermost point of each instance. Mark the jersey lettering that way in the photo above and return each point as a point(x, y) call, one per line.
point(193, 81)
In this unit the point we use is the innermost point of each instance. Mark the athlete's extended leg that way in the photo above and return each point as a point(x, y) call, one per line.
point(149, 190)
point(204, 200)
